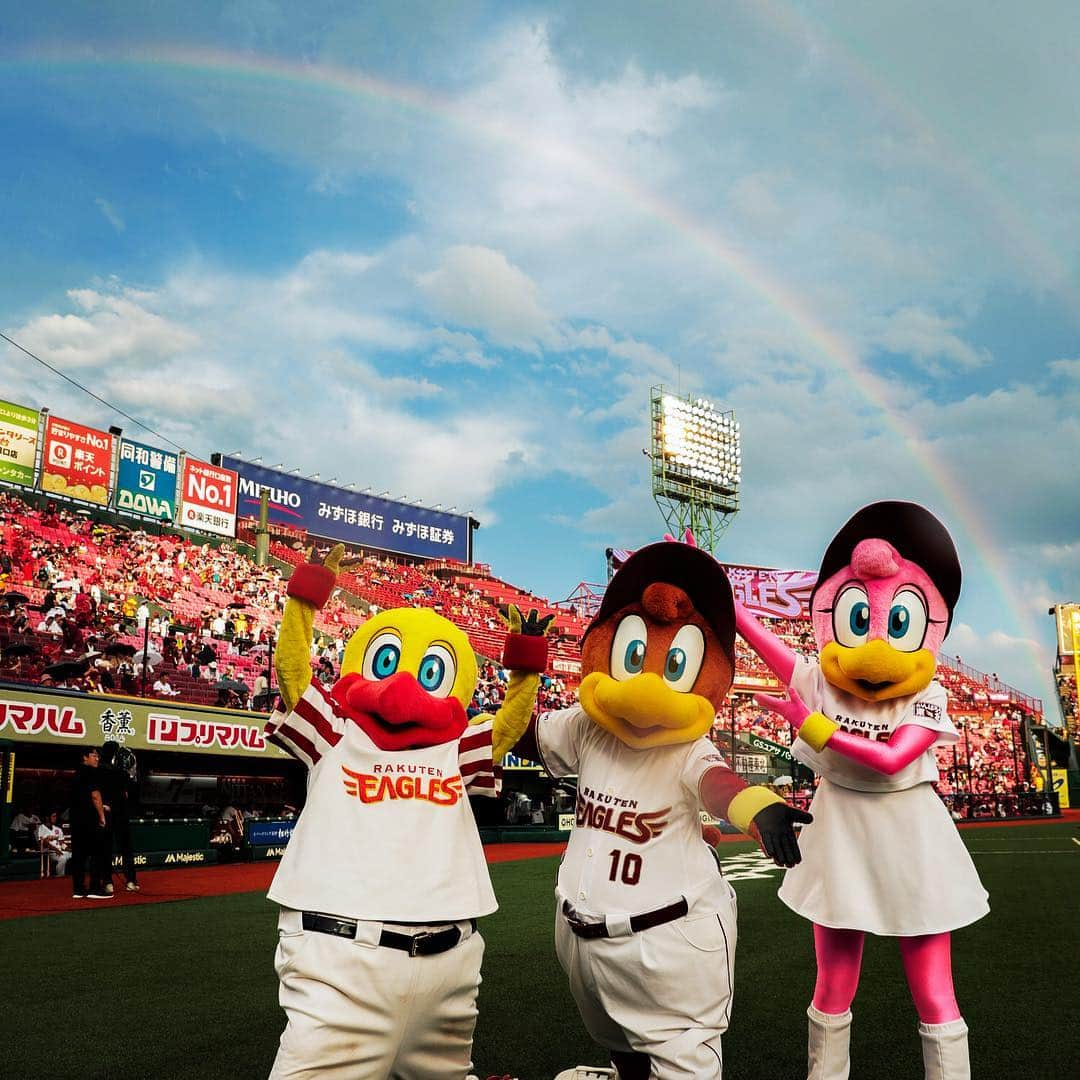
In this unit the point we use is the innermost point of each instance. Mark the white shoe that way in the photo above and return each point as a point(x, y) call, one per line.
point(99, 896)
point(109, 888)
point(132, 887)
point(586, 1072)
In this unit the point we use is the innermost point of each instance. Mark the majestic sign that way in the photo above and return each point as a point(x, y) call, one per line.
point(18, 443)
point(207, 498)
point(146, 481)
point(77, 461)
point(41, 716)
point(350, 516)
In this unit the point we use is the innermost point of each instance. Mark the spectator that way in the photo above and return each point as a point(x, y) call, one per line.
point(54, 843)
point(163, 688)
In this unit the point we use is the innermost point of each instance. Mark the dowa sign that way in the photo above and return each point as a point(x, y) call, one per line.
point(350, 516)
point(208, 498)
point(18, 443)
point(146, 480)
point(77, 461)
point(40, 716)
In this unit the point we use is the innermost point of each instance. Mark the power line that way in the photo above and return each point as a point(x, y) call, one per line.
point(107, 404)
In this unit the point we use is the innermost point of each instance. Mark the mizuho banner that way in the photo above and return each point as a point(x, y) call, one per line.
point(77, 461)
point(349, 516)
point(89, 719)
point(146, 480)
point(207, 498)
point(18, 443)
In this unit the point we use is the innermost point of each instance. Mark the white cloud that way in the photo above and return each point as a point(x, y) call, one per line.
point(479, 288)
point(927, 338)
point(111, 214)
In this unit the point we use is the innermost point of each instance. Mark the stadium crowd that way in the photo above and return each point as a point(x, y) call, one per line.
point(98, 607)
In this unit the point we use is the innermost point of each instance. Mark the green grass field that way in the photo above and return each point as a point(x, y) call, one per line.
point(187, 989)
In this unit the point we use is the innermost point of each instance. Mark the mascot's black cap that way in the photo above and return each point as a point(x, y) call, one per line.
point(691, 569)
point(913, 531)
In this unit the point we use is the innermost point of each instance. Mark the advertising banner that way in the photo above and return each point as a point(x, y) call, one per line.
point(207, 498)
point(18, 443)
point(770, 747)
point(77, 461)
point(146, 480)
point(781, 594)
point(263, 833)
point(350, 516)
point(29, 715)
point(1068, 629)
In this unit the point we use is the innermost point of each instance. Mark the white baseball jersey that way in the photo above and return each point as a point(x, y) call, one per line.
point(874, 720)
point(384, 835)
point(637, 842)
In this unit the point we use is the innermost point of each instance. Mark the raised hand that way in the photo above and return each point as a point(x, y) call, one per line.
point(792, 708)
point(532, 625)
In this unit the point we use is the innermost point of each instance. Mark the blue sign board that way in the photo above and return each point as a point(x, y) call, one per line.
point(339, 514)
point(265, 833)
point(146, 480)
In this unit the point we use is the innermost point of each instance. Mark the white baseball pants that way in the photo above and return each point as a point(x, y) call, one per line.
point(358, 1011)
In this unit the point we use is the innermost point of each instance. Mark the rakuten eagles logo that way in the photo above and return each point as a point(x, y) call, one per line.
point(376, 787)
point(629, 823)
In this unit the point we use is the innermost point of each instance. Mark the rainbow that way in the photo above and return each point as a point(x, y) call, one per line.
point(796, 310)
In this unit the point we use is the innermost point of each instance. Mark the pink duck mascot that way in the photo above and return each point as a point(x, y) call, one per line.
point(882, 855)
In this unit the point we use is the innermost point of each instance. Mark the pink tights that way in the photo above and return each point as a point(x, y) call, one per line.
point(927, 964)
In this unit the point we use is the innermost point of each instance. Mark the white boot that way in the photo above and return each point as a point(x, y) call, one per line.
point(945, 1050)
point(828, 1054)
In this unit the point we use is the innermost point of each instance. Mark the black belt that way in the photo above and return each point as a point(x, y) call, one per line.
point(425, 943)
point(638, 923)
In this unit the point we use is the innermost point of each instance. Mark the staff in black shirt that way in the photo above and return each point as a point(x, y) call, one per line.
point(88, 830)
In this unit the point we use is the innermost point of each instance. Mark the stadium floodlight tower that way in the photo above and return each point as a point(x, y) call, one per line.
point(696, 465)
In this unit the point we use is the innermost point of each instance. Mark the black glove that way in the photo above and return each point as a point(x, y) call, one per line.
point(774, 825)
point(531, 625)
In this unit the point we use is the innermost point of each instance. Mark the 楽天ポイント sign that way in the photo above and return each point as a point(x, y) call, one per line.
point(77, 461)
point(18, 443)
point(146, 480)
point(207, 498)
point(350, 516)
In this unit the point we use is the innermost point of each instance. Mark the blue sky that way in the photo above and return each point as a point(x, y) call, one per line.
point(446, 249)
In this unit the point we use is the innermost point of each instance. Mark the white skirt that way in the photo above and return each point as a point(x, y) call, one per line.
point(890, 863)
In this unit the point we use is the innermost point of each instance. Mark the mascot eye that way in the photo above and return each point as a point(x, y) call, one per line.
point(437, 671)
point(382, 656)
point(684, 657)
point(628, 647)
point(851, 617)
point(907, 621)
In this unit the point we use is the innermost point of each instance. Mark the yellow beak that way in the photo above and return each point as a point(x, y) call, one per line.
point(876, 671)
point(643, 711)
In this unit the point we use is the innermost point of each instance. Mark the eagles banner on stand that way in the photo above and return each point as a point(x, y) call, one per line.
point(18, 443)
point(146, 481)
point(77, 461)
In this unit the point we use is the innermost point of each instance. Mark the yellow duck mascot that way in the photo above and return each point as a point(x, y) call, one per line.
point(384, 876)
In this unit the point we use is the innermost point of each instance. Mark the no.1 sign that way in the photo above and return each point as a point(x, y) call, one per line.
point(208, 498)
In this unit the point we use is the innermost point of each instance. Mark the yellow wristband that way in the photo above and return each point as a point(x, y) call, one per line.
point(747, 804)
point(817, 729)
